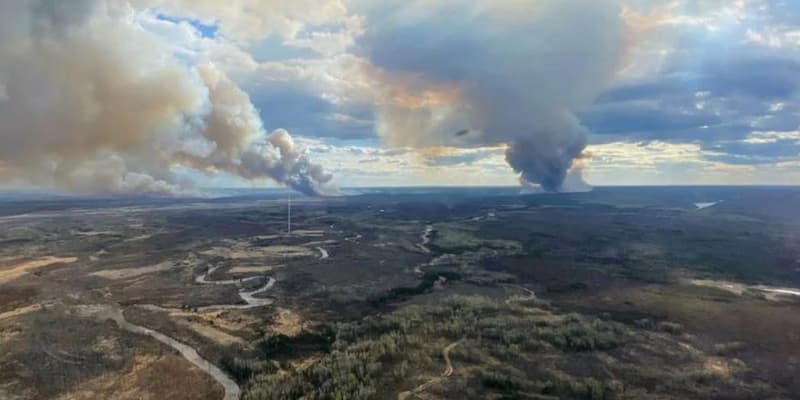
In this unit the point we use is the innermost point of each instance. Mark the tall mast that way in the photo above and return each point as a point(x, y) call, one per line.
point(289, 214)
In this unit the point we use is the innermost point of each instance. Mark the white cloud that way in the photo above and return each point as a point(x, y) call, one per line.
point(247, 21)
point(761, 137)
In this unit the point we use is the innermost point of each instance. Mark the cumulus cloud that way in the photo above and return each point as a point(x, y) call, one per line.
point(247, 21)
point(725, 70)
point(462, 157)
point(94, 103)
point(645, 116)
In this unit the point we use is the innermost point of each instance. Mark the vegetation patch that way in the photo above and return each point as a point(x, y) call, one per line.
point(508, 349)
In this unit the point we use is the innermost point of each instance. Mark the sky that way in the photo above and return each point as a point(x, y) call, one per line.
point(169, 96)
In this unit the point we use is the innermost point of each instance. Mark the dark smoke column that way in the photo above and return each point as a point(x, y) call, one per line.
point(540, 161)
point(495, 73)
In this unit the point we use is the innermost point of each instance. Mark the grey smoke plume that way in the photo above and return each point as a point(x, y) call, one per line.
point(90, 102)
point(233, 127)
point(504, 72)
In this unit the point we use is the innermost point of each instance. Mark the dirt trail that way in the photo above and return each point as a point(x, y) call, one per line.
point(448, 371)
point(531, 294)
point(446, 354)
point(425, 238)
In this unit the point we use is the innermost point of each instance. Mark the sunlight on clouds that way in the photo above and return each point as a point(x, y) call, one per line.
point(759, 137)
point(659, 163)
point(773, 37)
point(246, 21)
point(447, 166)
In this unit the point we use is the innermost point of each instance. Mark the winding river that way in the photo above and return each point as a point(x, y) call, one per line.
point(426, 238)
point(232, 389)
point(247, 295)
point(105, 312)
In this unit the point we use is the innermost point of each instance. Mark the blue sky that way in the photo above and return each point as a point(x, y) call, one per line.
point(625, 92)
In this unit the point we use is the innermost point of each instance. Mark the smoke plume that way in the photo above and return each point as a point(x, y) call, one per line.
point(467, 74)
point(91, 102)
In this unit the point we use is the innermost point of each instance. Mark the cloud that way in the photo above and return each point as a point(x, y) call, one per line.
point(712, 86)
point(290, 105)
point(644, 116)
point(463, 157)
point(300, 79)
point(748, 152)
point(247, 21)
point(740, 73)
